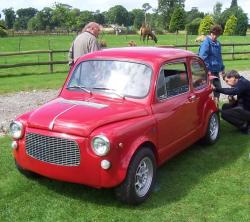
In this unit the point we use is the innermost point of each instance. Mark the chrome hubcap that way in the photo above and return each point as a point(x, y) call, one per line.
point(213, 127)
point(143, 177)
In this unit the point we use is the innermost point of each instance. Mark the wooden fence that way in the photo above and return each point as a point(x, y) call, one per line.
point(50, 61)
point(51, 53)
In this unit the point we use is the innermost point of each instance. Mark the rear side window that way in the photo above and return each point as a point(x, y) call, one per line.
point(199, 75)
point(173, 80)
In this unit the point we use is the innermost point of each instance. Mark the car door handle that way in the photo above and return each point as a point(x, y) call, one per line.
point(192, 98)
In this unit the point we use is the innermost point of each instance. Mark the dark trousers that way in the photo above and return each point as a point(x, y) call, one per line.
point(216, 83)
point(236, 115)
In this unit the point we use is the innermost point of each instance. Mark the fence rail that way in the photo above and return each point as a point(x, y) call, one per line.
point(51, 53)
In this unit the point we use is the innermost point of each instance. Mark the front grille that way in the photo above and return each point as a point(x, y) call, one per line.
point(53, 150)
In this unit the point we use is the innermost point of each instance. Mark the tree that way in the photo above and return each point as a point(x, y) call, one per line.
point(242, 19)
point(206, 25)
point(10, 17)
point(177, 20)
point(61, 16)
point(217, 12)
point(193, 14)
point(137, 17)
point(99, 17)
point(193, 27)
point(146, 7)
point(166, 8)
point(234, 4)
point(118, 15)
point(84, 18)
point(230, 27)
point(23, 16)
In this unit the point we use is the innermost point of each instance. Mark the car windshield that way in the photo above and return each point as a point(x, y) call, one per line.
point(119, 78)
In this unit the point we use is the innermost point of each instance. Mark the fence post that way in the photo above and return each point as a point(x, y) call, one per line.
point(233, 52)
point(186, 41)
point(51, 60)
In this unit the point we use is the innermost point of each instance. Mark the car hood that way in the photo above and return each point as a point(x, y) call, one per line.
point(82, 117)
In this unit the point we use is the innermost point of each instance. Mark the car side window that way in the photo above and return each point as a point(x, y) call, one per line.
point(172, 81)
point(199, 75)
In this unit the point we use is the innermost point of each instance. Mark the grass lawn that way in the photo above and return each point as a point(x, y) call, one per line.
point(200, 184)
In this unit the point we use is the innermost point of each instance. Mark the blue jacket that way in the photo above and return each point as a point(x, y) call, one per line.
point(210, 52)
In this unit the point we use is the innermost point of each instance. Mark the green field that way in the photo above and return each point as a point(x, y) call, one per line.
point(201, 184)
point(38, 77)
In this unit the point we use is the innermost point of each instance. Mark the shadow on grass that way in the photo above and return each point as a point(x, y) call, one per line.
point(175, 179)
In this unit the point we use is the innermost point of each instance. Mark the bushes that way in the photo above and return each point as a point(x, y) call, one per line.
point(3, 32)
point(205, 25)
point(193, 27)
point(230, 27)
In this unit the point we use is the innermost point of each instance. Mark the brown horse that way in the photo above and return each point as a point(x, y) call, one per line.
point(146, 32)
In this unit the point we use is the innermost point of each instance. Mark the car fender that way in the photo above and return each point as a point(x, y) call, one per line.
point(209, 108)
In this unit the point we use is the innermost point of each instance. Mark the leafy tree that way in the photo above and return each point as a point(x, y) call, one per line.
point(118, 15)
point(166, 8)
point(234, 4)
point(242, 19)
point(84, 18)
point(99, 17)
point(3, 32)
point(146, 7)
point(206, 25)
point(230, 26)
point(217, 12)
point(10, 17)
point(138, 17)
point(193, 27)
point(177, 20)
point(242, 23)
point(24, 15)
point(43, 20)
point(61, 16)
point(33, 24)
point(193, 14)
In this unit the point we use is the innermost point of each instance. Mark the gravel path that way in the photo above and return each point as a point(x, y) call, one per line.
point(12, 105)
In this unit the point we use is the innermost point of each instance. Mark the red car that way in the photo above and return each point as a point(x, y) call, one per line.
point(120, 114)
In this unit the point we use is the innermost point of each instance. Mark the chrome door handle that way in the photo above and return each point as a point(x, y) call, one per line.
point(192, 98)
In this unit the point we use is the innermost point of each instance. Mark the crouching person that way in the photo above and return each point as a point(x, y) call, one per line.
point(237, 111)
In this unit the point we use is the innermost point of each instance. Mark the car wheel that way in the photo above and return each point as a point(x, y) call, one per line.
point(213, 129)
point(140, 178)
point(26, 173)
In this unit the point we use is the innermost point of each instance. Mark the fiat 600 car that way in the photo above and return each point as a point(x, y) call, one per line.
point(120, 114)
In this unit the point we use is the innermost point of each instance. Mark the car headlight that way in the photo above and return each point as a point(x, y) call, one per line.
point(16, 129)
point(100, 145)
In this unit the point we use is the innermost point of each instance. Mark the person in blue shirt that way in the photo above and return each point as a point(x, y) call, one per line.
point(210, 52)
point(236, 112)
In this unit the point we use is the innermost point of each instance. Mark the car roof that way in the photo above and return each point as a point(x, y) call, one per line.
point(145, 54)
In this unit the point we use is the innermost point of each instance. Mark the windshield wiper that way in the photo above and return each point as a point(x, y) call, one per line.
point(79, 87)
point(110, 90)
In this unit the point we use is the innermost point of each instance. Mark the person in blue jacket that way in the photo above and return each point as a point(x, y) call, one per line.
point(236, 112)
point(210, 52)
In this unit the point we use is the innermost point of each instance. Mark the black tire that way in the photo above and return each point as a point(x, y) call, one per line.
point(213, 130)
point(26, 173)
point(135, 189)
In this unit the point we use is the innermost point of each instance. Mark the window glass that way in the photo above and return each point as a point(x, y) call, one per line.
point(124, 78)
point(199, 76)
point(173, 80)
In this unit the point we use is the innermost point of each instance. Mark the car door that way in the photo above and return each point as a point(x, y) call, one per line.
point(173, 109)
point(200, 87)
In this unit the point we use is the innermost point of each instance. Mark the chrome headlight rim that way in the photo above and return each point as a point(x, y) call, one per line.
point(16, 129)
point(105, 141)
